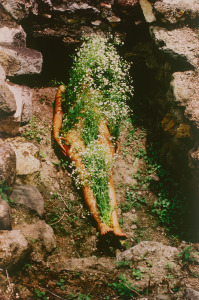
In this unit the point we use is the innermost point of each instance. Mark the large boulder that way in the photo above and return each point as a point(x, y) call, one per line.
point(29, 196)
point(14, 249)
point(13, 35)
point(177, 11)
point(20, 60)
point(20, 9)
point(181, 45)
point(154, 260)
point(184, 92)
point(41, 236)
point(5, 216)
point(7, 166)
point(10, 124)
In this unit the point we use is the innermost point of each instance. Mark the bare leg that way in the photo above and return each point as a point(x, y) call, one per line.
point(116, 227)
point(76, 143)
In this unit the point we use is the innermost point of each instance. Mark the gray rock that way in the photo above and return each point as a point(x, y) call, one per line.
point(176, 11)
point(41, 236)
point(14, 249)
point(7, 100)
point(184, 92)
point(154, 260)
point(20, 9)
point(13, 35)
point(27, 163)
point(20, 60)
point(29, 196)
point(87, 264)
point(180, 44)
point(191, 294)
point(7, 166)
point(5, 216)
point(23, 99)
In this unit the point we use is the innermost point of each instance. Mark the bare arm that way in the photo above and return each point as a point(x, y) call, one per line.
point(57, 120)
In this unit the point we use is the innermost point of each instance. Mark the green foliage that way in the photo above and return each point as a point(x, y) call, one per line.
point(99, 170)
point(122, 264)
point(137, 274)
point(187, 256)
point(124, 287)
point(41, 295)
point(61, 284)
point(80, 296)
point(3, 191)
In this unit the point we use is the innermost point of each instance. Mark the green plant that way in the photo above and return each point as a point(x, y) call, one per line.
point(3, 191)
point(61, 284)
point(122, 264)
point(41, 295)
point(187, 256)
point(137, 274)
point(124, 287)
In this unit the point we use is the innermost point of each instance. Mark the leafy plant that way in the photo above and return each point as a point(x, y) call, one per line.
point(124, 287)
point(41, 295)
point(186, 256)
point(122, 264)
point(137, 274)
point(61, 284)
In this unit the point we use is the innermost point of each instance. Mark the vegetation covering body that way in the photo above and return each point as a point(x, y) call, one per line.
point(97, 92)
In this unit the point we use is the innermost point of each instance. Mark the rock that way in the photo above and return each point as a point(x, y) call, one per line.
point(2, 75)
point(154, 260)
point(20, 9)
point(13, 35)
point(191, 294)
point(7, 100)
point(87, 264)
point(77, 8)
point(29, 196)
point(7, 166)
point(14, 249)
point(179, 44)
point(169, 125)
point(147, 11)
point(184, 92)
point(23, 96)
point(23, 99)
point(41, 236)
point(20, 60)
point(5, 216)
point(174, 12)
point(27, 164)
point(127, 3)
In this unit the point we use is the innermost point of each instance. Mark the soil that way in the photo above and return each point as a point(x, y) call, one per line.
point(76, 233)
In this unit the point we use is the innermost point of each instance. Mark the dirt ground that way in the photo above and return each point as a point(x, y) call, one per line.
point(76, 233)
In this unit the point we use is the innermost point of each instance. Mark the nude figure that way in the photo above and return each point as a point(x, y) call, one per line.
point(69, 146)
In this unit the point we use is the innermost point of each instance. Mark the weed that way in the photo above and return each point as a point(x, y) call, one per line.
point(41, 295)
point(3, 191)
point(186, 256)
point(137, 274)
point(124, 287)
point(61, 284)
point(123, 264)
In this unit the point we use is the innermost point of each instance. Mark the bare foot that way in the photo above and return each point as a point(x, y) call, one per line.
point(104, 229)
point(118, 232)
